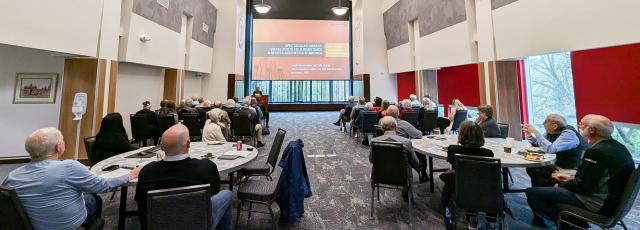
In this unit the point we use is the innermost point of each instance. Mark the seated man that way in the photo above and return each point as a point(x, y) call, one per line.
point(406, 130)
point(222, 117)
point(58, 194)
point(389, 126)
point(347, 108)
point(561, 139)
point(600, 179)
point(253, 115)
point(177, 169)
point(487, 123)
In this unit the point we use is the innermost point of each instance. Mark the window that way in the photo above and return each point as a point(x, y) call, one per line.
point(310, 91)
point(629, 135)
point(549, 84)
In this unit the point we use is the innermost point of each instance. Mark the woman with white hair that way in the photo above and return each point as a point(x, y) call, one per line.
point(406, 107)
point(212, 130)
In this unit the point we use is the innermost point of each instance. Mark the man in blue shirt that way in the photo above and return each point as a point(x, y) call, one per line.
point(560, 139)
point(58, 194)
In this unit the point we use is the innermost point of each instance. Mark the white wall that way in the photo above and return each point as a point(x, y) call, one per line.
point(224, 50)
point(192, 85)
point(484, 32)
point(531, 27)
point(200, 57)
point(357, 37)
point(166, 47)
point(110, 30)
point(19, 120)
point(137, 83)
point(447, 47)
point(383, 84)
point(240, 36)
point(68, 26)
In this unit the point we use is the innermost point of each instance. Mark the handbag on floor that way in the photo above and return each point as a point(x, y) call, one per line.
point(265, 131)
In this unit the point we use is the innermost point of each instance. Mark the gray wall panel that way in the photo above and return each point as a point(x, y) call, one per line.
point(201, 10)
point(432, 16)
point(495, 4)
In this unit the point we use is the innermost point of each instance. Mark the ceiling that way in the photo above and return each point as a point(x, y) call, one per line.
point(301, 9)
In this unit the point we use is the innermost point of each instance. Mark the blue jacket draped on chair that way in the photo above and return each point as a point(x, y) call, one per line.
point(295, 186)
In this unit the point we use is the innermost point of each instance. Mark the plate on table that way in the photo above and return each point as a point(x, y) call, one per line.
point(534, 157)
point(215, 143)
point(534, 150)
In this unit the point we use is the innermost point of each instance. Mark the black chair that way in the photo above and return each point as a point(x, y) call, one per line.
point(478, 187)
point(504, 130)
point(256, 168)
point(180, 208)
point(164, 123)
point(88, 145)
point(460, 116)
point(429, 121)
point(390, 168)
point(354, 128)
point(411, 117)
point(140, 129)
point(202, 118)
point(262, 192)
point(346, 117)
point(191, 121)
point(379, 130)
point(243, 126)
point(625, 204)
point(13, 214)
point(369, 119)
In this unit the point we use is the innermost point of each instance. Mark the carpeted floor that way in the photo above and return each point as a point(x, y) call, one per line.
point(339, 172)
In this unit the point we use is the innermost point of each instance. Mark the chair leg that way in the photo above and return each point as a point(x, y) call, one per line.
point(410, 192)
point(378, 193)
point(238, 214)
point(273, 219)
point(623, 225)
point(250, 208)
point(373, 190)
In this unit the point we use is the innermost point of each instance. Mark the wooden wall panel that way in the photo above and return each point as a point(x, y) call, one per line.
point(366, 84)
point(113, 78)
point(430, 84)
point(79, 76)
point(102, 75)
point(170, 84)
point(508, 109)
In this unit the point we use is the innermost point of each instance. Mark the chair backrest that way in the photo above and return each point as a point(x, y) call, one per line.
point(461, 116)
point(389, 163)
point(411, 117)
point(356, 113)
point(347, 113)
point(139, 127)
point(429, 120)
point(202, 118)
point(504, 130)
point(191, 121)
point(180, 208)
point(164, 123)
point(369, 119)
point(242, 125)
point(379, 131)
point(13, 215)
point(88, 145)
point(628, 197)
point(478, 183)
point(276, 146)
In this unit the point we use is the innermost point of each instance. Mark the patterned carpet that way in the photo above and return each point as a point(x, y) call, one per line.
point(339, 172)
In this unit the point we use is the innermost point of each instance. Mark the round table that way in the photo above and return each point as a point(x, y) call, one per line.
point(433, 146)
point(197, 150)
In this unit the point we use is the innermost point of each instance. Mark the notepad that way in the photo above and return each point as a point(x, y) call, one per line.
point(116, 173)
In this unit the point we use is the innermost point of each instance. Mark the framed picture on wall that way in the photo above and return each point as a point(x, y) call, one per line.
point(35, 88)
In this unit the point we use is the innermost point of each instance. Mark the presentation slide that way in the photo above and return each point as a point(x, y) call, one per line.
point(285, 49)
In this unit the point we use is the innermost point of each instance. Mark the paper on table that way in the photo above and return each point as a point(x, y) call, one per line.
point(115, 173)
point(237, 153)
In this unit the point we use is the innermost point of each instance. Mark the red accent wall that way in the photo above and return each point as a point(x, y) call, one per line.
point(524, 115)
point(607, 82)
point(406, 84)
point(460, 82)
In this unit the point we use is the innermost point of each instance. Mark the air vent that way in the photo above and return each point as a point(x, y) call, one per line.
point(205, 27)
point(164, 3)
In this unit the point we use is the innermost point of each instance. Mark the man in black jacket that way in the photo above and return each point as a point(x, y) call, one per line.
point(599, 181)
point(152, 119)
point(487, 123)
point(177, 169)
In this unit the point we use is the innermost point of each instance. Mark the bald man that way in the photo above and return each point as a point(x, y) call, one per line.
point(177, 169)
point(58, 194)
point(599, 181)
